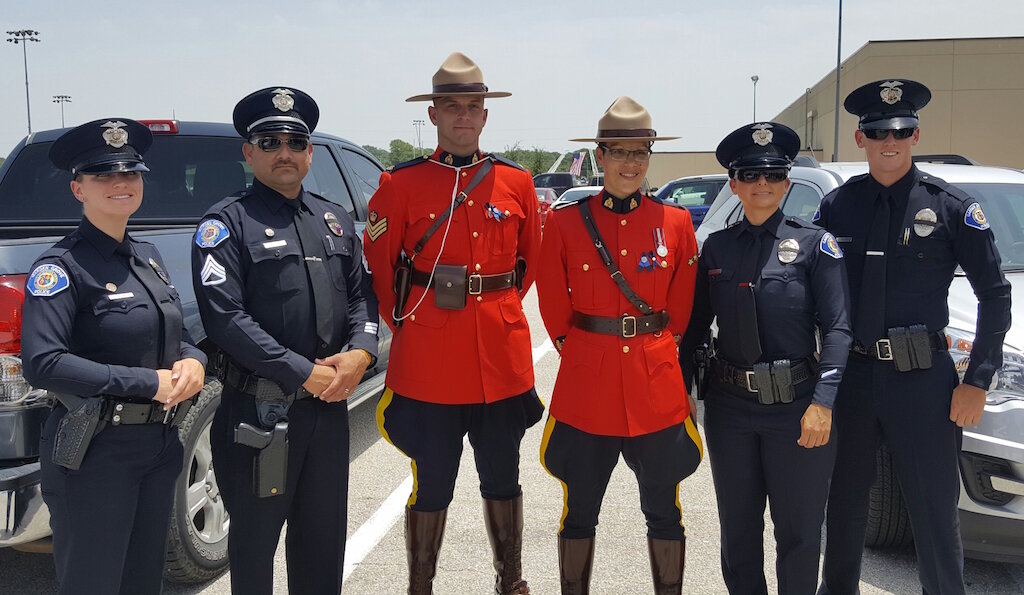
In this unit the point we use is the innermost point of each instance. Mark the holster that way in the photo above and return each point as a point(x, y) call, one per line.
point(76, 430)
point(450, 286)
point(402, 287)
point(911, 347)
point(701, 370)
point(270, 467)
point(520, 273)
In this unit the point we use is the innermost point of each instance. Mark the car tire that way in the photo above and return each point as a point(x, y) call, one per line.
point(197, 543)
point(888, 520)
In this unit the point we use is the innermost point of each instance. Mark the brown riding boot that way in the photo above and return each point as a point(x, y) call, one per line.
point(575, 559)
point(423, 534)
point(668, 559)
point(504, 521)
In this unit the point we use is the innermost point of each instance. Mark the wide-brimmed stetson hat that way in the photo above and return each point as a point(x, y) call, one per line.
point(624, 120)
point(458, 76)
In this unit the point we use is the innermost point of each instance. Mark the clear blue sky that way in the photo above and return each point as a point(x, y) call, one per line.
point(690, 64)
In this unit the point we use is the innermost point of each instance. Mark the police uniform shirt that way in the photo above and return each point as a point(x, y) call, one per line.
point(792, 298)
point(921, 257)
point(254, 293)
point(98, 327)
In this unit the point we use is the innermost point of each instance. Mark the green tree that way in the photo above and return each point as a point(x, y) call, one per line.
point(382, 155)
point(536, 160)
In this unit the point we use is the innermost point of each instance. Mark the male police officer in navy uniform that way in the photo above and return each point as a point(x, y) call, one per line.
point(282, 291)
point(904, 232)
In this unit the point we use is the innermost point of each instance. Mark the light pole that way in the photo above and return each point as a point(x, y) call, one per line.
point(839, 64)
point(755, 79)
point(419, 143)
point(23, 37)
point(62, 99)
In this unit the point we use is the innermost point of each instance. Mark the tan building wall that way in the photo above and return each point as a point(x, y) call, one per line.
point(977, 106)
point(667, 166)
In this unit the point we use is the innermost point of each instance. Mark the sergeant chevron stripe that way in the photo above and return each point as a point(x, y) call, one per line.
point(213, 272)
point(374, 229)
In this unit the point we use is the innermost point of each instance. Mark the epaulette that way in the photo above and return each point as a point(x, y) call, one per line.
point(798, 222)
point(408, 163)
point(953, 191)
point(62, 247)
point(499, 158)
point(572, 203)
point(662, 201)
point(224, 202)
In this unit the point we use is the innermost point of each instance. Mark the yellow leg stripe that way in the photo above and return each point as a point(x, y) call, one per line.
point(691, 430)
point(385, 400)
point(548, 428)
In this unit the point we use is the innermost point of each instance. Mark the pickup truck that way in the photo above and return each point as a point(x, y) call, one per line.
point(194, 165)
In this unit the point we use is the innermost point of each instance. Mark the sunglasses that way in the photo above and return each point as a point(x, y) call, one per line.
point(270, 144)
point(640, 156)
point(770, 175)
point(882, 134)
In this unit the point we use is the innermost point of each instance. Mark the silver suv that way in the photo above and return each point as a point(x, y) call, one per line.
point(992, 456)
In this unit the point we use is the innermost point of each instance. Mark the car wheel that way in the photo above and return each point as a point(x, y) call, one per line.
point(197, 544)
point(888, 521)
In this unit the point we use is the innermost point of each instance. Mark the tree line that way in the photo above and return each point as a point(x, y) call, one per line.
point(535, 159)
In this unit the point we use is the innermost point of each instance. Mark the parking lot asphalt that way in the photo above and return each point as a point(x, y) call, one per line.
point(379, 486)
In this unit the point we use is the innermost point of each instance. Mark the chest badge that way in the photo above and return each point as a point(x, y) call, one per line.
point(924, 222)
point(788, 250)
point(975, 217)
point(333, 224)
point(111, 287)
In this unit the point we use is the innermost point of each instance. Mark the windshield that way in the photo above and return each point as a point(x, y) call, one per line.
point(1004, 209)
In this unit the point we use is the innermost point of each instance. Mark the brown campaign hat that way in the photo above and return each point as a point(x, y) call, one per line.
point(624, 120)
point(458, 76)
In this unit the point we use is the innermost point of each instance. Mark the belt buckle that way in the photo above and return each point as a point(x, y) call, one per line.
point(750, 376)
point(883, 349)
point(479, 284)
point(169, 414)
point(628, 326)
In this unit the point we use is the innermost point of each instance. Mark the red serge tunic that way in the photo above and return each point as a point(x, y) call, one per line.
point(607, 384)
point(481, 353)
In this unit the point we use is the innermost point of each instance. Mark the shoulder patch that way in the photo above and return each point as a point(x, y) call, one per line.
point(47, 280)
point(974, 217)
point(210, 233)
point(408, 163)
point(817, 215)
point(830, 246)
point(499, 158)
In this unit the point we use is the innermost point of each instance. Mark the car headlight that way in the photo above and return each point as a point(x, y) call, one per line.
point(1007, 382)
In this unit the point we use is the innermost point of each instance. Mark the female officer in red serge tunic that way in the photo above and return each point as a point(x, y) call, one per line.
point(461, 359)
point(619, 387)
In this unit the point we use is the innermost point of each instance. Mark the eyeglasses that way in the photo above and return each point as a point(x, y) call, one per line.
point(640, 155)
point(882, 134)
point(270, 144)
point(770, 175)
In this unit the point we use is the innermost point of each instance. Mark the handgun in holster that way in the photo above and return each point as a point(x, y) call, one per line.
point(701, 370)
point(402, 287)
point(520, 276)
point(76, 429)
point(270, 466)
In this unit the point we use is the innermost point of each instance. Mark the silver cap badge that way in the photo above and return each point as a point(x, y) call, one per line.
point(115, 135)
point(924, 222)
point(891, 92)
point(762, 134)
point(283, 100)
point(788, 249)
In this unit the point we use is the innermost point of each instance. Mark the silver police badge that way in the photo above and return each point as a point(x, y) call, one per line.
point(891, 92)
point(762, 134)
point(115, 135)
point(333, 224)
point(283, 100)
point(924, 222)
point(788, 249)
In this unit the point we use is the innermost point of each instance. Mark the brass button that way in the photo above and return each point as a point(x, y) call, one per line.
point(477, 267)
point(623, 252)
point(273, 490)
point(469, 202)
point(586, 267)
point(476, 234)
point(625, 349)
point(432, 216)
point(412, 317)
point(623, 222)
point(479, 298)
point(448, 284)
point(463, 174)
point(507, 212)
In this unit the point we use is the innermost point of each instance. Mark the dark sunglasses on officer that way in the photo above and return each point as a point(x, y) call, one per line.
point(883, 133)
point(270, 144)
point(772, 175)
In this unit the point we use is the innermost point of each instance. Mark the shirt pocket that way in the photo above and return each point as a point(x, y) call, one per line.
point(783, 289)
point(503, 225)
point(924, 266)
point(721, 287)
point(279, 267)
point(339, 260)
point(589, 282)
point(119, 304)
point(655, 278)
point(421, 218)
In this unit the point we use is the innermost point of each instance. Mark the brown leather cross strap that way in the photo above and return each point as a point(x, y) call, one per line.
point(606, 257)
point(481, 173)
point(477, 283)
point(625, 326)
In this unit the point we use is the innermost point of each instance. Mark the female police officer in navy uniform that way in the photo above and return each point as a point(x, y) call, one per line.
point(103, 332)
point(771, 281)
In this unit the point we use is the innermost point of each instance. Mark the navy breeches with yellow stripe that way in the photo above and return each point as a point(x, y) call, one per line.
point(583, 462)
point(431, 435)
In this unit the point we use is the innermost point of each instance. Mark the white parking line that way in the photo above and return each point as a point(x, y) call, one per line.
point(380, 522)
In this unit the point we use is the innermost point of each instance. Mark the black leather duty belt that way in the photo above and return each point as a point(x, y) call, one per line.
point(744, 377)
point(126, 413)
point(247, 382)
point(882, 349)
point(477, 283)
point(625, 326)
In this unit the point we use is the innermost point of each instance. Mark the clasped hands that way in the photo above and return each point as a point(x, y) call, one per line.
point(335, 378)
point(182, 382)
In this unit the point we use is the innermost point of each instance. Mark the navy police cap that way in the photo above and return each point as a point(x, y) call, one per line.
point(275, 109)
point(102, 146)
point(761, 145)
point(888, 104)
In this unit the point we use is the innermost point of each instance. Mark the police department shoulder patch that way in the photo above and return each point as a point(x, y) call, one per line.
point(47, 280)
point(817, 215)
point(210, 233)
point(975, 217)
point(830, 246)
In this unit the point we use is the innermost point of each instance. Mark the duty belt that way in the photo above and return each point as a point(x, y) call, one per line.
point(477, 283)
point(130, 413)
point(625, 326)
point(247, 382)
point(882, 349)
point(744, 377)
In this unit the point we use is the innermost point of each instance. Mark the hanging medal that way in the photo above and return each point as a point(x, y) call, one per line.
point(659, 242)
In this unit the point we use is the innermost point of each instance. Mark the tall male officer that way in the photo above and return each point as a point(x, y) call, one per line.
point(282, 291)
point(904, 232)
point(461, 356)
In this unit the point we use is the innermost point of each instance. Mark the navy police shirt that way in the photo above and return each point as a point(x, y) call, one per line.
point(93, 325)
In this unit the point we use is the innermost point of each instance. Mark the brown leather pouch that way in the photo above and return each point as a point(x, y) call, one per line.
point(450, 286)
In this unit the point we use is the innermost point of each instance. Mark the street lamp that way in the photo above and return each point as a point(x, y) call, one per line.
point(839, 66)
point(419, 143)
point(62, 99)
point(755, 79)
point(23, 37)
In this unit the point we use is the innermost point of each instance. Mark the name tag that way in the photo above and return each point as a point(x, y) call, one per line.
point(275, 244)
point(120, 296)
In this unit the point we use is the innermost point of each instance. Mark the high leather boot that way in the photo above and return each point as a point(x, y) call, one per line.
point(423, 534)
point(575, 559)
point(668, 559)
point(504, 521)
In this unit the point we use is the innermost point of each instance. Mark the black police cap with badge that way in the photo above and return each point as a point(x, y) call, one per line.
point(888, 104)
point(275, 109)
point(110, 145)
point(757, 147)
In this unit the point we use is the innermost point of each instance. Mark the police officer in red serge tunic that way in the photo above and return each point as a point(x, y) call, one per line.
point(619, 388)
point(461, 359)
